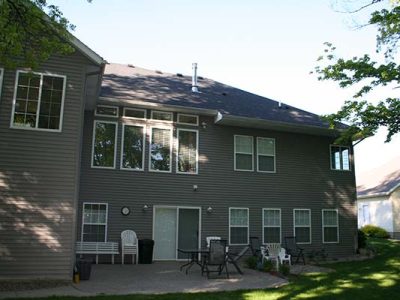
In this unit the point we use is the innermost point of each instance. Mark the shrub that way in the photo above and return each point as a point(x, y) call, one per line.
point(268, 266)
point(251, 262)
point(284, 269)
point(362, 239)
point(375, 231)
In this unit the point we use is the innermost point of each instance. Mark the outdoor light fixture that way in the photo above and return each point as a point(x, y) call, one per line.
point(145, 207)
point(209, 209)
point(195, 187)
point(204, 125)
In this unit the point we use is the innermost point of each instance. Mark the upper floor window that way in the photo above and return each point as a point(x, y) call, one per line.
point(187, 154)
point(188, 119)
point(330, 226)
point(134, 113)
point(104, 144)
point(107, 111)
point(302, 225)
point(94, 222)
point(132, 150)
point(38, 101)
point(243, 153)
point(160, 149)
point(265, 154)
point(340, 158)
point(238, 226)
point(161, 116)
point(271, 225)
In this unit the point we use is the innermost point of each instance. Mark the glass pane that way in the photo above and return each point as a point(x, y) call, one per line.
point(160, 150)
point(107, 111)
point(94, 233)
point(272, 235)
point(134, 113)
point(266, 146)
point(335, 158)
point(239, 217)
point(50, 103)
point(302, 234)
point(104, 144)
point(22, 93)
point(165, 223)
point(266, 163)
point(161, 115)
point(345, 159)
point(132, 156)
point(239, 235)
point(244, 144)
point(302, 218)
point(187, 151)
point(330, 218)
point(244, 162)
point(330, 234)
point(188, 119)
point(272, 218)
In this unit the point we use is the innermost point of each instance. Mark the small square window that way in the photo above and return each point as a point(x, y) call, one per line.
point(161, 116)
point(106, 111)
point(134, 113)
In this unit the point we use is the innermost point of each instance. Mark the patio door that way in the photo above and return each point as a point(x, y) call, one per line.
point(173, 228)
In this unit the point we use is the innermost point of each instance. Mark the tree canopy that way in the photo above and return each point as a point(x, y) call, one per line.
point(366, 117)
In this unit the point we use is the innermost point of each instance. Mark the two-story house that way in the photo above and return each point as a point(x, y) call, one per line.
point(174, 158)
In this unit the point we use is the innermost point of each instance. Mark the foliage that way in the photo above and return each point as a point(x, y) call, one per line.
point(375, 232)
point(284, 269)
point(362, 239)
point(365, 117)
point(28, 35)
point(251, 262)
point(268, 266)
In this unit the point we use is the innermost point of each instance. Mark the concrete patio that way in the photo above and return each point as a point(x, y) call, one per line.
point(157, 278)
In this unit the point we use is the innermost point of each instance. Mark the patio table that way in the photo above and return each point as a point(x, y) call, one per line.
point(193, 257)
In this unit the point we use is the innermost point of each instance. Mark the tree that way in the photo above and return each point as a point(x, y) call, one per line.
point(31, 31)
point(365, 118)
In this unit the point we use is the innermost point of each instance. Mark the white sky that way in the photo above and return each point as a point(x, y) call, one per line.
point(265, 47)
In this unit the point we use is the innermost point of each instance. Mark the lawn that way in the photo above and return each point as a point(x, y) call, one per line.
point(377, 278)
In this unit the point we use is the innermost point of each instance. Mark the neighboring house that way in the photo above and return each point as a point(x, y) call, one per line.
point(171, 157)
point(378, 197)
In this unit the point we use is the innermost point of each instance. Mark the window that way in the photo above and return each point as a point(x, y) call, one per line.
point(134, 113)
point(340, 158)
point(188, 119)
point(302, 225)
point(1, 79)
point(104, 143)
point(243, 153)
point(94, 222)
point(132, 150)
point(160, 149)
point(107, 111)
point(161, 115)
point(238, 226)
point(330, 226)
point(187, 153)
point(265, 154)
point(38, 101)
point(271, 225)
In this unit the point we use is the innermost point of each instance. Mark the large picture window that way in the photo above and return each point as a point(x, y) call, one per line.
point(94, 222)
point(271, 225)
point(187, 156)
point(265, 154)
point(104, 143)
point(160, 149)
point(238, 226)
point(243, 153)
point(302, 225)
point(340, 158)
point(38, 101)
point(132, 157)
point(330, 226)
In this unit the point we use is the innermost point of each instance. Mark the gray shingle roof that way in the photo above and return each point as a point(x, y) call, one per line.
point(127, 82)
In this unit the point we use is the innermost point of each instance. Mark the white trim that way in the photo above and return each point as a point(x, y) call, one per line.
point(341, 158)
point(122, 146)
point(257, 155)
point(229, 226)
point(83, 222)
point(106, 106)
point(41, 74)
point(163, 112)
point(197, 151)
point(302, 226)
point(330, 226)
point(134, 118)
point(170, 147)
point(1, 80)
point(280, 224)
point(234, 153)
point(89, 53)
point(115, 143)
point(187, 115)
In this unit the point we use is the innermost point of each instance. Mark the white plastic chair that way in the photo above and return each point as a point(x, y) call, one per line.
point(271, 252)
point(129, 245)
point(209, 238)
point(284, 257)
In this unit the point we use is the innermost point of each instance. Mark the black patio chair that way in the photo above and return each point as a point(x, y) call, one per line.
point(255, 246)
point(233, 258)
point(216, 260)
point(293, 249)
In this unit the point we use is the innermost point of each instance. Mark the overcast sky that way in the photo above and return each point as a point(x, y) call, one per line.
point(265, 47)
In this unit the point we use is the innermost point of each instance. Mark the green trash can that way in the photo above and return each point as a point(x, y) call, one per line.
point(146, 251)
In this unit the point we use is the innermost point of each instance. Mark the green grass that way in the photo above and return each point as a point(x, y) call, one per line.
point(377, 278)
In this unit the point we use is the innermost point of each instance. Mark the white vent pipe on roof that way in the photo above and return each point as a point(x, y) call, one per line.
point(195, 88)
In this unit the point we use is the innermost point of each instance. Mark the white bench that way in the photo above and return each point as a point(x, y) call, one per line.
point(97, 248)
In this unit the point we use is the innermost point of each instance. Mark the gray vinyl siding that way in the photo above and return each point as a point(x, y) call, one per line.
point(39, 174)
point(303, 179)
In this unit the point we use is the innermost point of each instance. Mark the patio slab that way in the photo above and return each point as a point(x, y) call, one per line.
point(157, 278)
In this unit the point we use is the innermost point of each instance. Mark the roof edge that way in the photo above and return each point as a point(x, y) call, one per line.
point(380, 194)
point(85, 50)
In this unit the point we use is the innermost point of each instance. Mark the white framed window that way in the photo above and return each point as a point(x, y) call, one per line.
point(340, 158)
point(243, 160)
point(133, 147)
point(38, 102)
point(238, 226)
point(187, 151)
point(94, 222)
point(271, 225)
point(160, 152)
point(188, 119)
point(302, 225)
point(162, 116)
point(107, 111)
point(104, 144)
point(330, 226)
point(1, 80)
point(134, 113)
point(266, 161)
